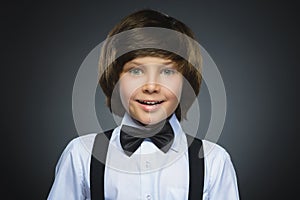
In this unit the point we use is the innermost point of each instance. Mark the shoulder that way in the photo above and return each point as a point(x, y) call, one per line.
point(220, 176)
point(72, 169)
point(77, 150)
point(81, 143)
point(217, 163)
point(212, 153)
point(212, 150)
point(217, 159)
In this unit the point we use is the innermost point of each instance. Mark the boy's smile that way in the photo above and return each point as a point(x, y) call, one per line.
point(150, 88)
point(149, 105)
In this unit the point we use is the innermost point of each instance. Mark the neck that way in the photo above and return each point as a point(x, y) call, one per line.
point(150, 126)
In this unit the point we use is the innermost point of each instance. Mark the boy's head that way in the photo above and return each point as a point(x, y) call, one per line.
point(172, 72)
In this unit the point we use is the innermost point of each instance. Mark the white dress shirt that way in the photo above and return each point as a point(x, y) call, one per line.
point(147, 174)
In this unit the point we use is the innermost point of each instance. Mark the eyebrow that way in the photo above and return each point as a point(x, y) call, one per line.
point(138, 63)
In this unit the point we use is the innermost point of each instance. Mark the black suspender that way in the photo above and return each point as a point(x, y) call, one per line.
point(97, 168)
point(196, 165)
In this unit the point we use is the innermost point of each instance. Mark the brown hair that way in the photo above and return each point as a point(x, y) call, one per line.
point(111, 66)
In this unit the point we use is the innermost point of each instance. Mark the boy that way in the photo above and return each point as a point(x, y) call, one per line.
point(148, 156)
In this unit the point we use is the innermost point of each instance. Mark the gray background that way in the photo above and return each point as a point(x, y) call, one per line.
point(253, 43)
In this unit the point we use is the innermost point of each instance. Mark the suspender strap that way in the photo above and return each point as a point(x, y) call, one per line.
point(97, 167)
point(196, 167)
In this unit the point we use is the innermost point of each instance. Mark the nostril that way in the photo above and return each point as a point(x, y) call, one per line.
point(151, 87)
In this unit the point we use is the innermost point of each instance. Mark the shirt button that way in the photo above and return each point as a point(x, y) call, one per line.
point(148, 197)
point(147, 164)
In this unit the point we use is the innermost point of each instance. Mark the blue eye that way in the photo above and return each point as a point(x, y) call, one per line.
point(136, 71)
point(169, 71)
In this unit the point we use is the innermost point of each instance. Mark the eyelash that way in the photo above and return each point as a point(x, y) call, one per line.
point(138, 71)
point(133, 71)
point(169, 71)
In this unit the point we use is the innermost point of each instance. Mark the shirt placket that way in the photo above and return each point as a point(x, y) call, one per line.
point(146, 178)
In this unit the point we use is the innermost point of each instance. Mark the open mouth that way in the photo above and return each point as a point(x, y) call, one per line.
point(149, 102)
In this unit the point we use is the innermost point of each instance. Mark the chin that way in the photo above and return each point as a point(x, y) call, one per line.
point(150, 120)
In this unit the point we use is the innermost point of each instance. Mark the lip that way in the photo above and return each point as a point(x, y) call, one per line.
point(149, 108)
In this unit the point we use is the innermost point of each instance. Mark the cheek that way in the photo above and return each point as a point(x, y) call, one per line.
point(127, 90)
point(174, 88)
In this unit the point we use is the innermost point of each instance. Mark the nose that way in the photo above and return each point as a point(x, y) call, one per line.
point(151, 80)
point(151, 88)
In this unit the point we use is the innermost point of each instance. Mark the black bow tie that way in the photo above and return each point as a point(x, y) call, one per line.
point(131, 138)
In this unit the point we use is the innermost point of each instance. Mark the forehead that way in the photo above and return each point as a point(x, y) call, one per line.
point(150, 60)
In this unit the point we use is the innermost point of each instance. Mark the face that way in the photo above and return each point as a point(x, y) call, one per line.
point(150, 89)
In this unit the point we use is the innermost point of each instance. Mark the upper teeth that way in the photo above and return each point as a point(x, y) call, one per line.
point(150, 102)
